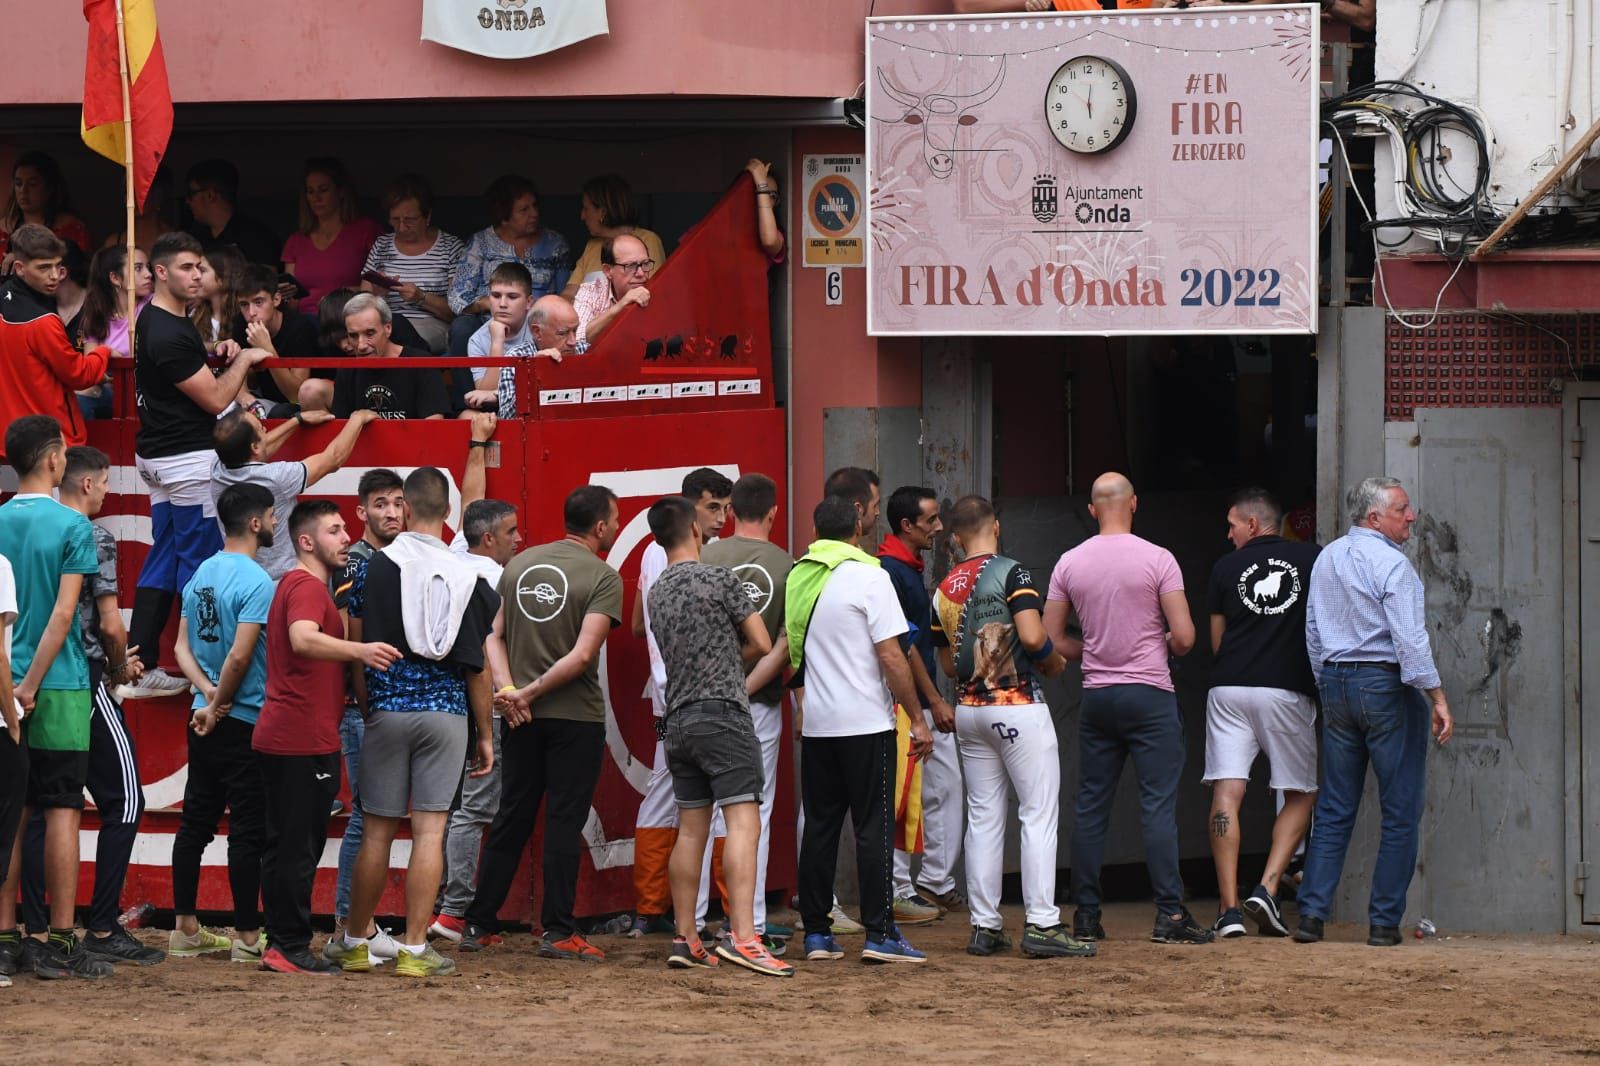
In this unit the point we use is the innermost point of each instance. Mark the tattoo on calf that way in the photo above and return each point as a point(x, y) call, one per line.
point(1220, 823)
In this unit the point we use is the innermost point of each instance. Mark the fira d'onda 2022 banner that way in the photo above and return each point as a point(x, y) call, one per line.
point(1149, 172)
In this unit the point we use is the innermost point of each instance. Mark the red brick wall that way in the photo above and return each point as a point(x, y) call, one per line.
point(1485, 360)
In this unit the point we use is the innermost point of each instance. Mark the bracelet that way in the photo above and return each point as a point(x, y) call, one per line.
point(480, 444)
point(300, 418)
point(507, 688)
point(1047, 650)
point(763, 188)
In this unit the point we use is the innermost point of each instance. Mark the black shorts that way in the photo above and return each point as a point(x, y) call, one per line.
point(56, 778)
point(713, 754)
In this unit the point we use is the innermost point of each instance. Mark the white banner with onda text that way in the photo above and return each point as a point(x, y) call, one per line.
point(512, 29)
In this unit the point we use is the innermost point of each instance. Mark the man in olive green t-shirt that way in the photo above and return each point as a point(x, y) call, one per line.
point(558, 603)
point(763, 568)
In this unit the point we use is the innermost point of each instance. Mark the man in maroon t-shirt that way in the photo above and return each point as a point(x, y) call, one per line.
point(297, 735)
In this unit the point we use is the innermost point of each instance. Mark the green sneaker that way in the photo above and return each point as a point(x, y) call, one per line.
point(1052, 942)
point(202, 942)
point(242, 952)
point(352, 958)
point(988, 941)
point(428, 964)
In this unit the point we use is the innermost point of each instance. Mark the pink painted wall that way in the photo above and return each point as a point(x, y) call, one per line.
point(313, 50)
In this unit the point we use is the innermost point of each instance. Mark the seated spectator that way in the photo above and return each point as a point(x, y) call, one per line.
point(263, 323)
point(513, 203)
point(768, 231)
point(39, 197)
point(393, 394)
point(104, 319)
point(333, 339)
point(552, 334)
point(418, 256)
point(213, 313)
point(154, 218)
point(510, 298)
point(212, 192)
point(73, 291)
point(39, 367)
point(608, 211)
point(332, 244)
point(625, 267)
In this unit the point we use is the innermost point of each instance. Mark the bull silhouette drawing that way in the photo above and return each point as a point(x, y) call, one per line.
point(942, 116)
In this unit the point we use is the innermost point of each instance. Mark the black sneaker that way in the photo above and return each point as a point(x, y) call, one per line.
point(1180, 928)
point(988, 941)
point(1052, 942)
point(1086, 925)
point(119, 945)
point(1383, 936)
point(1229, 924)
point(475, 937)
point(1262, 907)
point(1309, 932)
point(11, 956)
point(53, 962)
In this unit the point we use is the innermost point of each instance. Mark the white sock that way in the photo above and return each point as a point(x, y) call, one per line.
point(414, 949)
point(352, 941)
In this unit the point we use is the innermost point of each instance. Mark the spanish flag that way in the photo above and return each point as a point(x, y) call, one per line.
point(150, 98)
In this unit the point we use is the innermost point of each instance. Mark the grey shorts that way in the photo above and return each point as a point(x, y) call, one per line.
point(411, 761)
point(713, 754)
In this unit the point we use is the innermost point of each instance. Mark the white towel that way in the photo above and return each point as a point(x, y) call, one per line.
point(435, 587)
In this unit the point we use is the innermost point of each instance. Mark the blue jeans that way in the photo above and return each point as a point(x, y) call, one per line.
point(352, 730)
point(1119, 721)
point(1368, 714)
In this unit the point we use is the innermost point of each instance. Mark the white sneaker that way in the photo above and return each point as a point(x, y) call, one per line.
point(155, 682)
point(381, 947)
point(843, 924)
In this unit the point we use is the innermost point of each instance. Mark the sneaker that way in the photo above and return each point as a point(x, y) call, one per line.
point(1180, 928)
point(475, 937)
point(843, 924)
point(1229, 924)
point(952, 900)
point(447, 927)
point(778, 931)
point(202, 942)
point(295, 960)
point(914, 910)
point(5, 980)
point(775, 947)
point(650, 925)
point(752, 954)
point(1086, 925)
point(822, 946)
point(119, 945)
point(988, 941)
point(1052, 942)
point(381, 947)
point(1262, 907)
point(429, 964)
point(11, 952)
point(687, 956)
point(892, 948)
point(239, 951)
point(1309, 932)
point(155, 682)
point(572, 947)
point(351, 958)
point(52, 962)
point(1383, 936)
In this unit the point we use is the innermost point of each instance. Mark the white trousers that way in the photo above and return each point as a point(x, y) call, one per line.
point(943, 821)
point(658, 809)
point(1005, 748)
point(768, 720)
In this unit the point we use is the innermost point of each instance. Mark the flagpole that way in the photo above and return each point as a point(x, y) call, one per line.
point(129, 280)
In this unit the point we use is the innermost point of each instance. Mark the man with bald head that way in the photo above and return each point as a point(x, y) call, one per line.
point(625, 266)
point(1128, 594)
point(552, 333)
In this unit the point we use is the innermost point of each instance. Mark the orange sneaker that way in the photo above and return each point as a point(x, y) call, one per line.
point(573, 947)
point(752, 954)
point(687, 956)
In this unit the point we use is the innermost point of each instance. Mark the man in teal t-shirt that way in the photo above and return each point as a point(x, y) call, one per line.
point(51, 548)
point(222, 652)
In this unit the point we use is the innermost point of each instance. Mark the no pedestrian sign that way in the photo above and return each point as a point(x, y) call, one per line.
point(835, 190)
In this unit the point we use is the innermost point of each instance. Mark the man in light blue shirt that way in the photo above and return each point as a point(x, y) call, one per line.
point(1368, 644)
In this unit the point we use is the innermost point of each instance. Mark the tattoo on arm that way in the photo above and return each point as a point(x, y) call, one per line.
point(1220, 824)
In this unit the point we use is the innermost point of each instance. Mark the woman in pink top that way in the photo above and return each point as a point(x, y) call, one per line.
point(331, 247)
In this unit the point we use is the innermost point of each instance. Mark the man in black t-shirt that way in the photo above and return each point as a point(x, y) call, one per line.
point(1261, 700)
point(213, 189)
point(179, 400)
point(266, 324)
point(391, 393)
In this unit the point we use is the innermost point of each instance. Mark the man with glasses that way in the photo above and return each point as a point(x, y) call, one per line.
point(552, 334)
point(213, 189)
point(625, 266)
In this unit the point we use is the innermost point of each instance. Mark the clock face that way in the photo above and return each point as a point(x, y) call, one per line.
point(1090, 104)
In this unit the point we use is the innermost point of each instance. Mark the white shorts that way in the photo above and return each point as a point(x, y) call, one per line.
point(183, 480)
point(1243, 721)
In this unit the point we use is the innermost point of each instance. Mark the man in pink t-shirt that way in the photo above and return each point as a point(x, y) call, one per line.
point(1128, 594)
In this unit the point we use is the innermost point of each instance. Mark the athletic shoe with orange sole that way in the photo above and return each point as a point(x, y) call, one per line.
point(475, 937)
point(687, 956)
point(573, 947)
point(296, 960)
point(752, 954)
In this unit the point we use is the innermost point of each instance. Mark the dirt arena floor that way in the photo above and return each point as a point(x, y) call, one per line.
point(1462, 999)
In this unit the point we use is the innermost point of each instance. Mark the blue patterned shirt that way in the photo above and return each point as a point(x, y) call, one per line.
point(409, 684)
point(1366, 605)
point(549, 260)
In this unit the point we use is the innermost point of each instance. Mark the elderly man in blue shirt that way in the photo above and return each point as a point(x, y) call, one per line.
point(1368, 645)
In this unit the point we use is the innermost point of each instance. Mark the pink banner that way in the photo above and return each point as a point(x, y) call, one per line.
point(1125, 173)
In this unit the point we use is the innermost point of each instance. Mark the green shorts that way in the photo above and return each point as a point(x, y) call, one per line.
point(60, 721)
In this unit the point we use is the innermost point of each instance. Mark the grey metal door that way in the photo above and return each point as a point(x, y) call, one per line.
point(1588, 484)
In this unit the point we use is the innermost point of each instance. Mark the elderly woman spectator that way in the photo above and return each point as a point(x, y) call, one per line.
point(420, 257)
point(332, 244)
point(513, 202)
point(39, 195)
point(609, 211)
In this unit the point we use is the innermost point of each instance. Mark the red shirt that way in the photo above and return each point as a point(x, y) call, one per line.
point(39, 367)
point(305, 697)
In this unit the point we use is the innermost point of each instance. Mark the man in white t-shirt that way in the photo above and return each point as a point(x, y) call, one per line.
point(847, 641)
